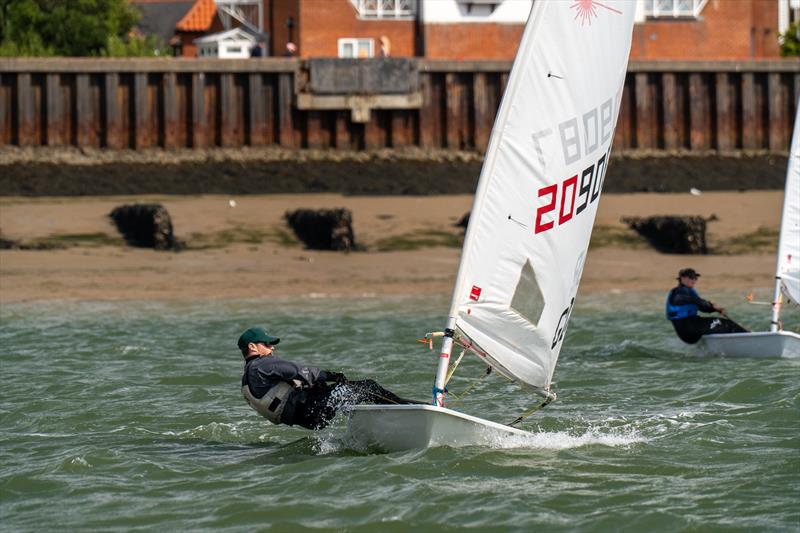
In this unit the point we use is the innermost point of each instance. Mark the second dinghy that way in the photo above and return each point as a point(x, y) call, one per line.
point(776, 342)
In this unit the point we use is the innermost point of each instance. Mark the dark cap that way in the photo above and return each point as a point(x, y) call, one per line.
point(256, 335)
point(688, 273)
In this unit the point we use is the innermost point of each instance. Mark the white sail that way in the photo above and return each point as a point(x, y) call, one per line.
point(540, 185)
point(789, 244)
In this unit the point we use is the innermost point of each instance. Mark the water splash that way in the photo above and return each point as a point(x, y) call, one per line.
point(564, 440)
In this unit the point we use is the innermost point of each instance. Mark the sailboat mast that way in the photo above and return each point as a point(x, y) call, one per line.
point(776, 304)
point(444, 362)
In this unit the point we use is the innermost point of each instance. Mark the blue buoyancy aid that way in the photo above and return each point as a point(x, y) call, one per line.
point(676, 312)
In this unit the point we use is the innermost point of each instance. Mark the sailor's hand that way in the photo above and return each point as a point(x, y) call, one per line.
point(720, 310)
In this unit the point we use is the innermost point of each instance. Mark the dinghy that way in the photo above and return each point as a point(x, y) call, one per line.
point(530, 223)
point(776, 342)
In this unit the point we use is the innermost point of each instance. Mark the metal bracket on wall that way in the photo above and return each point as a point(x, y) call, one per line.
point(359, 85)
point(360, 106)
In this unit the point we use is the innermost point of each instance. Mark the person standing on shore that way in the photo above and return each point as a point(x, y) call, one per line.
point(683, 303)
point(295, 394)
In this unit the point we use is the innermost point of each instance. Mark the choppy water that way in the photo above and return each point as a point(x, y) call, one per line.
point(129, 416)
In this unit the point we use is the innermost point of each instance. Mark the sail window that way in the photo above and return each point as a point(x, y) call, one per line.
point(528, 300)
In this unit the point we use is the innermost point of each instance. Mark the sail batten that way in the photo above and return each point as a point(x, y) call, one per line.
point(540, 185)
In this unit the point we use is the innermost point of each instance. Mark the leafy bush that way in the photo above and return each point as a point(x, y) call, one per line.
point(73, 28)
point(790, 41)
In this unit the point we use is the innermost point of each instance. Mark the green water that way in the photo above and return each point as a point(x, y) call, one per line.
point(128, 416)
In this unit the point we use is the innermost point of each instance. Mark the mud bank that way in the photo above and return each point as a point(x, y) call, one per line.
point(66, 172)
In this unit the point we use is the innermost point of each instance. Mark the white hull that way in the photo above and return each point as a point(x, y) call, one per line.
point(757, 344)
point(405, 427)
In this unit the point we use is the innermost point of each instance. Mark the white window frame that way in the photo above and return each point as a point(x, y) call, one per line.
point(385, 9)
point(355, 42)
point(661, 9)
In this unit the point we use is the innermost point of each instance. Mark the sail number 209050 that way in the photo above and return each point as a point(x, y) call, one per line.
point(580, 137)
point(564, 196)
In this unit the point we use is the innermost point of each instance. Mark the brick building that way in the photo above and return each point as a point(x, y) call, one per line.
point(466, 29)
point(491, 29)
point(711, 29)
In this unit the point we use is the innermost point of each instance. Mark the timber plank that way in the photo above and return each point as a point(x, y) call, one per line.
point(671, 117)
point(256, 123)
point(314, 129)
point(374, 133)
point(699, 116)
point(5, 112)
point(643, 128)
point(483, 124)
point(343, 140)
point(777, 113)
point(286, 135)
point(170, 109)
point(112, 126)
point(725, 122)
point(453, 107)
point(228, 110)
point(84, 116)
point(401, 133)
point(749, 139)
point(199, 119)
point(26, 122)
point(428, 112)
point(54, 111)
point(141, 136)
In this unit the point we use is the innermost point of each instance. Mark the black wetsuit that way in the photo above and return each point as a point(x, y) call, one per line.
point(322, 392)
point(691, 328)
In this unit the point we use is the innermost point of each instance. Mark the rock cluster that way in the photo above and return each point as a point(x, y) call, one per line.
point(145, 226)
point(672, 234)
point(323, 229)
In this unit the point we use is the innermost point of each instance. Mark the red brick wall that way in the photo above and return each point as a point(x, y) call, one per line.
point(472, 41)
point(188, 48)
point(276, 13)
point(727, 29)
point(325, 21)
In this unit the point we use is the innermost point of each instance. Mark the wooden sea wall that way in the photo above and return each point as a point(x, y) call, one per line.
point(168, 103)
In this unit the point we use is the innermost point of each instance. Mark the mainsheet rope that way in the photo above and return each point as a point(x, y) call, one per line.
point(458, 398)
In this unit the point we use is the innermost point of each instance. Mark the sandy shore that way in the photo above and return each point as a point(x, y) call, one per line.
point(246, 251)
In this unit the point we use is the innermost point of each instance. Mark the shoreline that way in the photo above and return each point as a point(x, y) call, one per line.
point(37, 172)
point(245, 252)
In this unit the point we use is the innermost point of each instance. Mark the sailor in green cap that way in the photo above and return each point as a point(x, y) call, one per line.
point(289, 393)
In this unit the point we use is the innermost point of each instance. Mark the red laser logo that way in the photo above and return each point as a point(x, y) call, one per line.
point(586, 9)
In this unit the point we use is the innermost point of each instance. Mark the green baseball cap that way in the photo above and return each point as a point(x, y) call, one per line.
point(256, 335)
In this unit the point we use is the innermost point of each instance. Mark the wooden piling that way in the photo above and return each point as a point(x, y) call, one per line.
point(141, 103)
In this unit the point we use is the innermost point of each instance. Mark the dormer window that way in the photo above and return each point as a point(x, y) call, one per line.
point(385, 9)
point(662, 9)
point(478, 8)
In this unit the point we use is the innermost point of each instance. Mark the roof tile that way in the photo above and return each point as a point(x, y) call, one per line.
point(199, 17)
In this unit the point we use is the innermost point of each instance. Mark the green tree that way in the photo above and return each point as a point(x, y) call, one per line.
point(790, 41)
point(74, 28)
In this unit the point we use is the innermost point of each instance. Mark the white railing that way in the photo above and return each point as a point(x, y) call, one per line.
point(673, 8)
point(385, 9)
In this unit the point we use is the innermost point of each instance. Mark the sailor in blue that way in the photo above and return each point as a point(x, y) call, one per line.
point(683, 303)
point(284, 392)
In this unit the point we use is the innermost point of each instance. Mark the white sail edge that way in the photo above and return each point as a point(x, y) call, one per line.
point(563, 55)
point(787, 274)
point(534, 21)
